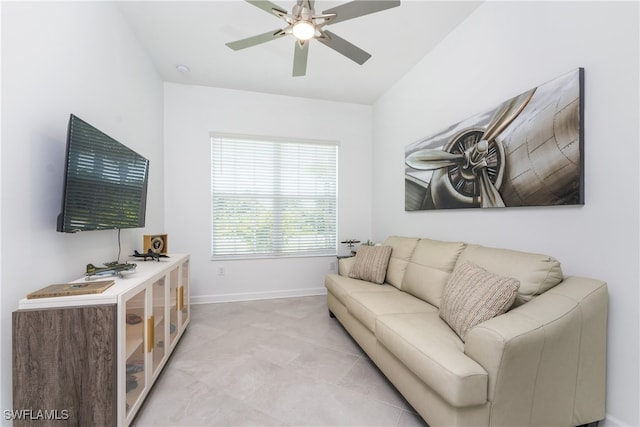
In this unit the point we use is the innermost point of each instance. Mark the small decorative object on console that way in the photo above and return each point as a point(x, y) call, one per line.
point(67, 289)
point(157, 243)
point(149, 254)
point(113, 268)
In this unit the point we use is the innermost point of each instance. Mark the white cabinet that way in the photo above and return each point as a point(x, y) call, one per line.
point(152, 312)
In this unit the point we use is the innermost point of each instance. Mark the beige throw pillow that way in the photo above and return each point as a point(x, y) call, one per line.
point(473, 295)
point(371, 263)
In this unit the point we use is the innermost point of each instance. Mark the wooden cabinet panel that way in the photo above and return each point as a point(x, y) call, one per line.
point(64, 365)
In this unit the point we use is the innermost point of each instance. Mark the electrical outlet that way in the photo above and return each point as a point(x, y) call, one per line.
point(332, 265)
point(220, 271)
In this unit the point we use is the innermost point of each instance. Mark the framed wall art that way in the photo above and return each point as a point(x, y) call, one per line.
point(527, 151)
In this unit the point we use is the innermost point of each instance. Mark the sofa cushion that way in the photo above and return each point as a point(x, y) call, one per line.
point(473, 295)
point(400, 255)
point(429, 269)
point(341, 286)
point(537, 273)
point(371, 263)
point(435, 354)
point(366, 306)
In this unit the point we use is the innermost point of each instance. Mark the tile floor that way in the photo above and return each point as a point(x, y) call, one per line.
point(281, 362)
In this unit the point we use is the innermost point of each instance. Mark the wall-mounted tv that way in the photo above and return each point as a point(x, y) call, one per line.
point(105, 183)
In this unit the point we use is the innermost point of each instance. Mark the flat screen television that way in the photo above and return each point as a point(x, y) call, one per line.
point(105, 183)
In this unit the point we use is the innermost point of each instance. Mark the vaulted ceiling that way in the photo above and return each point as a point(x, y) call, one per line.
point(194, 33)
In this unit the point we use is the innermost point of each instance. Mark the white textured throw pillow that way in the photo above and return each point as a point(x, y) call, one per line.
point(371, 263)
point(473, 295)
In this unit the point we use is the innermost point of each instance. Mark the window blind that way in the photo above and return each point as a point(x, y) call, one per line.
point(272, 198)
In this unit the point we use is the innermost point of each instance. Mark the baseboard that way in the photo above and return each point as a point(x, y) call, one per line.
point(611, 421)
point(251, 296)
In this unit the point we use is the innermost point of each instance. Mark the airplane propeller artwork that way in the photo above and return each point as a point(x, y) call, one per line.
point(471, 160)
point(305, 25)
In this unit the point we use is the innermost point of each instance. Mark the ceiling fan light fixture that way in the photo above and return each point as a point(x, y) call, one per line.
point(304, 30)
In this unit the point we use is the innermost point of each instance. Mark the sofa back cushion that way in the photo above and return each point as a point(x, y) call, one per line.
point(403, 248)
point(536, 273)
point(429, 269)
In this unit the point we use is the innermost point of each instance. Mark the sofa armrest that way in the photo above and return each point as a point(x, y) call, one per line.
point(345, 265)
point(546, 359)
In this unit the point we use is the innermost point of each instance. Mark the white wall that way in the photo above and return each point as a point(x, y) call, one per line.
point(57, 59)
point(191, 113)
point(501, 50)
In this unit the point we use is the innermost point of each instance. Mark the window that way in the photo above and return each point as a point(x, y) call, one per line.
point(272, 197)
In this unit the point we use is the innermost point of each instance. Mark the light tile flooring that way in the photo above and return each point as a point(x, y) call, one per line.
point(281, 362)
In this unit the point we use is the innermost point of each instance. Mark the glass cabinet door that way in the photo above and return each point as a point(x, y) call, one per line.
point(157, 323)
point(135, 381)
point(174, 304)
point(184, 295)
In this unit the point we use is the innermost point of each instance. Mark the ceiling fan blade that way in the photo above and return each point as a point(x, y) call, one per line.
point(300, 59)
point(268, 7)
point(431, 159)
point(358, 8)
point(309, 3)
point(342, 46)
point(506, 114)
point(255, 40)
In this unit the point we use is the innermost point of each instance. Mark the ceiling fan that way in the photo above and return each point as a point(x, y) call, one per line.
point(304, 24)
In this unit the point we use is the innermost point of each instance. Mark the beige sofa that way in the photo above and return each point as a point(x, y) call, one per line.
point(541, 363)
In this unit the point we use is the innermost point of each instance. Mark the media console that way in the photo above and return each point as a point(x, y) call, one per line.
point(92, 359)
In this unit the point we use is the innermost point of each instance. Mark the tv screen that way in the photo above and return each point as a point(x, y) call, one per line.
point(105, 183)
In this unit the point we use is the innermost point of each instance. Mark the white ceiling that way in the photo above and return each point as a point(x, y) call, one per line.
point(194, 33)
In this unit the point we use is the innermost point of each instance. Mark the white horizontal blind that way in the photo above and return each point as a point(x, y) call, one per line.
point(272, 198)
